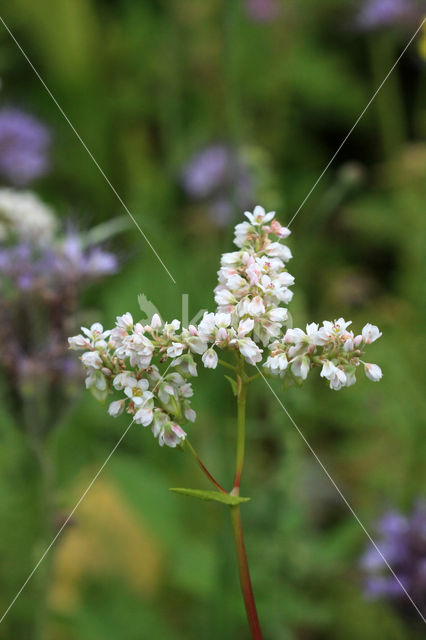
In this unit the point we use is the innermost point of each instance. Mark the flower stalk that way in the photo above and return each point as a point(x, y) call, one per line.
point(243, 568)
point(204, 468)
point(244, 573)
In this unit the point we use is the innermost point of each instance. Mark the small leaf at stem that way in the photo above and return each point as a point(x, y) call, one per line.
point(216, 496)
point(233, 385)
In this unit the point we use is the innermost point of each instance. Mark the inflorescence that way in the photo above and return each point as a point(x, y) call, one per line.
point(250, 320)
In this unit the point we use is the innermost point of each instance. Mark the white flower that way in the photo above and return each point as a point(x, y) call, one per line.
point(210, 359)
point(171, 436)
point(349, 344)
point(245, 327)
point(137, 390)
point(336, 376)
point(278, 250)
point(236, 283)
point(230, 259)
point(250, 350)
point(300, 367)
point(137, 347)
point(277, 286)
point(222, 320)
point(97, 385)
point(170, 328)
point(116, 408)
point(277, 314)
point(207, 326)
point(223, 297)
point(373, 371)
point(350, 377)
point(156, 322)
point(223, 335)
point(278, 230)
point(23, 214)
point(95, 333)
point(370, 333)
point(186, 390)
point(241, 233)
point(144, 415)
point(186, 364)
point(294, 335)
point(277, 363)
point(96, 379)
point(165, 392)
point(190, 414)
point(259, 216)
point(76, 343)
point(256, 307)
point(331, 330)
point(175, 350)
point(197, 344)
point(311, 332)
point(125, 321)
point(92, 360)
point(121, 380)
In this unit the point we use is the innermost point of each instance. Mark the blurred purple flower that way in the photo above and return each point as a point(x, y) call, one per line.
point(49, 268)
point(382, 13)
point(39, 302)
point(402, 541)
point(72, 261)
point(24, 146)
point(262, 10)
point(220, 176)
point(206, 171)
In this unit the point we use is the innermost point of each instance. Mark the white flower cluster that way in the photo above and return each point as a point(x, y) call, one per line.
point(24, 215)
point(121, 359)
point(332, 347)
point(254, 283)
point(252, 291)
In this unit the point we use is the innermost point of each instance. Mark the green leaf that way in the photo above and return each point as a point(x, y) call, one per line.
point(233, 385)
point(225, 498)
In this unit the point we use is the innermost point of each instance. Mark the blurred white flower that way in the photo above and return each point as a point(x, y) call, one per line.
point(373, 371)
point(370, 333)
point(24, 215)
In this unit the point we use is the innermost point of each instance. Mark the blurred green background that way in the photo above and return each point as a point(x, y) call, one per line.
point(148, 84)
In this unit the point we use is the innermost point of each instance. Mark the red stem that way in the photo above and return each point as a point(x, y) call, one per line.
point(210, 477)
point(243, 569)
point(204, 468)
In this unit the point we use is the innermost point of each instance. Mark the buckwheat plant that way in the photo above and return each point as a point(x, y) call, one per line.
point(148, 369)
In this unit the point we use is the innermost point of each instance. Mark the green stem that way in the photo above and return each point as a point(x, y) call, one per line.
point(255, 377)
point(243, 568)
point(227, 365)
point(241, 432)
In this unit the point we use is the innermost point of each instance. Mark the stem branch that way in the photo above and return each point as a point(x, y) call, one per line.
point(227, 365)
point(204, 468)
